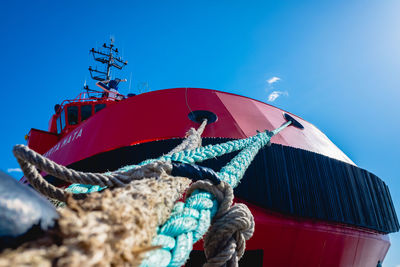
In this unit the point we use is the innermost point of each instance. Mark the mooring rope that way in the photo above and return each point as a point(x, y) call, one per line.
point(189, 221)
point(192, 140)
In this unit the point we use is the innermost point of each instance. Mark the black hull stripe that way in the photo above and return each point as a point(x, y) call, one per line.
point(287, 180)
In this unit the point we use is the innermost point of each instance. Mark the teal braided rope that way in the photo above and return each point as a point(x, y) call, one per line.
point(187, 224)
point(234, 171)
point(283, 126)
point(83, 188)
point(190, 220)
point(198, 154)
point(207, 152)
point(187, 156)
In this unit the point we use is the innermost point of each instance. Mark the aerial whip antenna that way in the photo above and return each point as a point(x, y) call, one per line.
point(130, 82)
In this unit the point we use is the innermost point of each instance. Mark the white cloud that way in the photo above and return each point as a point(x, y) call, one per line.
point(14, 170)
point(273, 80)
point(275, 94)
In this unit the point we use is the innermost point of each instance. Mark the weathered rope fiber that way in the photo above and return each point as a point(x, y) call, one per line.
point(192, 140)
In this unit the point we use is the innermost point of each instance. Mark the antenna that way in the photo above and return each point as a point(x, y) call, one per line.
point(89, 92)
point(110, 58)
point(130, 82)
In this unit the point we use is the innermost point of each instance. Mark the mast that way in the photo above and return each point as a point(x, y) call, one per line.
point(110, 58)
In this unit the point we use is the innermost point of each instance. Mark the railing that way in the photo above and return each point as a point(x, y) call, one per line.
point(87, 97)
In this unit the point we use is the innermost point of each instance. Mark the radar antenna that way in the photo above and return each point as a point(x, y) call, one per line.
point(109, 56)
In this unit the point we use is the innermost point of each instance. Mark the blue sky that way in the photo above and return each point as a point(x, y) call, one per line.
point(336, 63)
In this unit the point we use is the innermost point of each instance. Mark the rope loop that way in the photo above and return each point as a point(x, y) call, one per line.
point(30, 160)
point(225, 241)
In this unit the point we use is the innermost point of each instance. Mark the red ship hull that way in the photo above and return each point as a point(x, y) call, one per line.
point(281, 240)
point(164, 114)
point(288, 241)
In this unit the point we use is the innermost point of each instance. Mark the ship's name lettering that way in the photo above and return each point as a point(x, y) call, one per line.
point(66, 141)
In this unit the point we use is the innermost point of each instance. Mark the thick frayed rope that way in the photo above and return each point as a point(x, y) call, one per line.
point(192, 140)
point(112, 228)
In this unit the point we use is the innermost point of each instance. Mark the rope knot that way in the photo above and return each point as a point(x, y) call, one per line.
point(225, 242)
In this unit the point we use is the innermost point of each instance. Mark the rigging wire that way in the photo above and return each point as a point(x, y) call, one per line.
point(130, 83)
point(186, 98)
